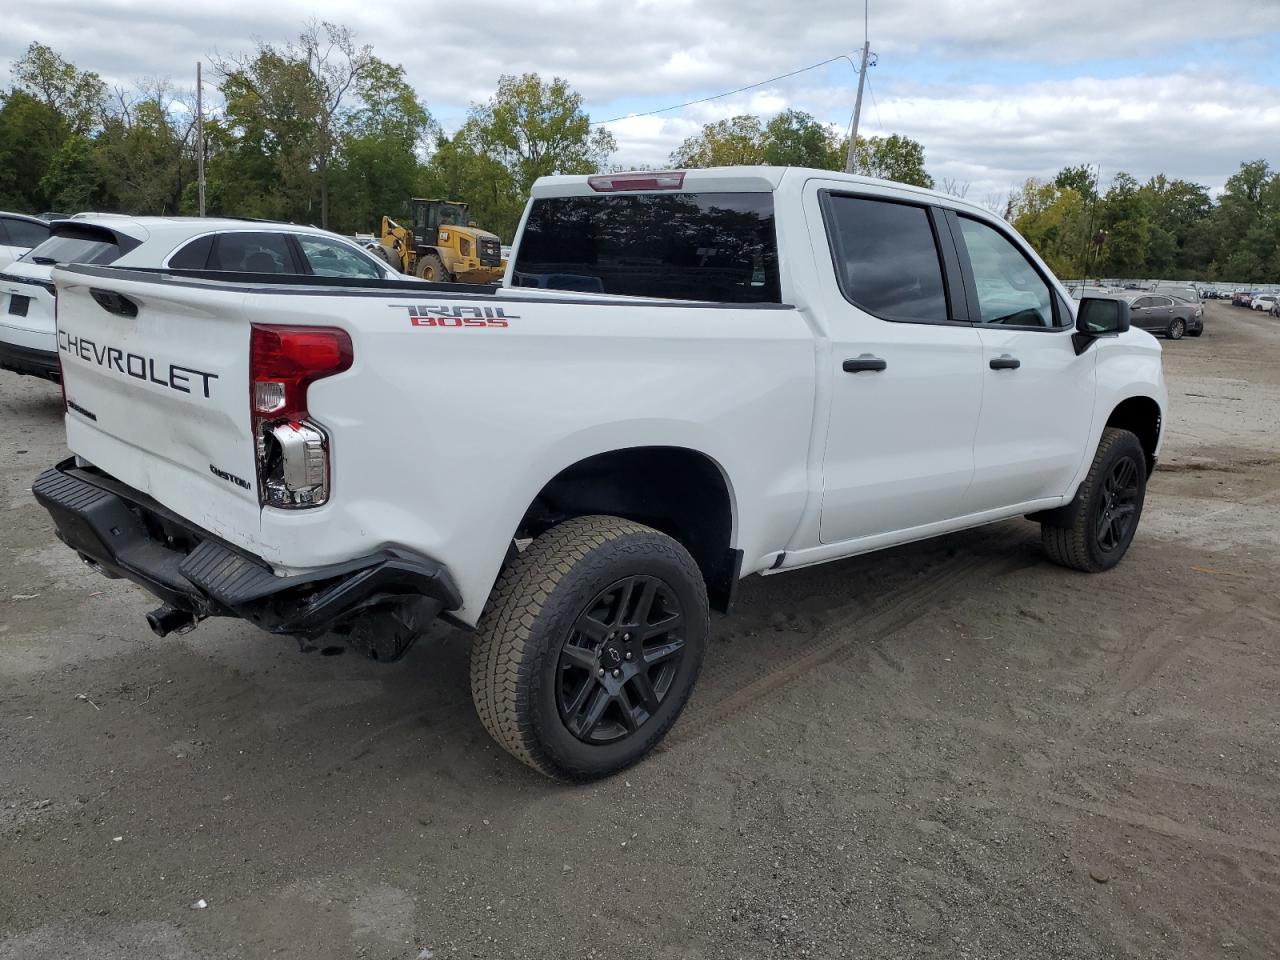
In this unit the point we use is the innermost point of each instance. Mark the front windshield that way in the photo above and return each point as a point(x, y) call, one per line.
point(452, 215)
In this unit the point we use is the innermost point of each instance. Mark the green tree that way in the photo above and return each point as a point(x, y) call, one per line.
point(795, 139)
point(1082, 179)
point(297, 107)
point(74, 180)
point(894, 157)
point(79, 97)
point(31, 134)
point(724, 143)
point(1127, 228)
point(377, 168)
point(536, 128)
point(530, 128)
point(1054, 219)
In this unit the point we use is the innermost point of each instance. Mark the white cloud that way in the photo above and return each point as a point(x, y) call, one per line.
point(1198, 121)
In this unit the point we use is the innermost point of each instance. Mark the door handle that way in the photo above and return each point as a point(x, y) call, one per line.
point(864, 363)
point(1005, 362)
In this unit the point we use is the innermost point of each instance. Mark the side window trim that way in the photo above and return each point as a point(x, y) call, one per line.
point(971, 286)
point(957, 313)
point(302, 265)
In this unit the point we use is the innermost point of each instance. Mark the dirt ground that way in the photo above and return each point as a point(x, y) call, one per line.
point(948, 750)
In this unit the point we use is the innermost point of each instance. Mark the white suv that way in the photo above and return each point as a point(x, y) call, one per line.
point(18, 234)
point(238, 247)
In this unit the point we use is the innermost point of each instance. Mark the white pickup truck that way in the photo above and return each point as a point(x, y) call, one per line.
point(685, 378)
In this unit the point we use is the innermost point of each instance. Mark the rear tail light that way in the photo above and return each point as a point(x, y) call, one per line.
point(292, 450)
point(614, 182)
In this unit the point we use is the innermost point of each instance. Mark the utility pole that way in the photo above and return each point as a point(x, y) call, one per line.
point(200, 135)
point(857, 107)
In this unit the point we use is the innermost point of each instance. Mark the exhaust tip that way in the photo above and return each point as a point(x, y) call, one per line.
point(166, 620)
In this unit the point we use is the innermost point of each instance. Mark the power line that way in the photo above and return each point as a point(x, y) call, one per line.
point(729, 93)
point(872, 91)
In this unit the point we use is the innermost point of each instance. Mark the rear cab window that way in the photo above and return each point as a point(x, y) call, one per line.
point(81, 243)
point(716, 247)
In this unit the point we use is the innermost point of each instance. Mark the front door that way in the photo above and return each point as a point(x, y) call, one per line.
point(905, 370)
point(1037, 393)
point(1150, 313)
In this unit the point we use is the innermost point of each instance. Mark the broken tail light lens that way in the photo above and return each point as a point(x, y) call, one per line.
point(292, 450)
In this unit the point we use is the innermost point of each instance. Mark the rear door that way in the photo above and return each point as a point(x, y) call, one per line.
point(904, 369)
point(1037, 394)
point(156, 374)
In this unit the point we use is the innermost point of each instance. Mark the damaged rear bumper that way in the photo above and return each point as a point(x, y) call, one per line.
point(125, 533)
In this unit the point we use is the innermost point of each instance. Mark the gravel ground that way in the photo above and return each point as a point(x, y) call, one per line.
point(948, 750)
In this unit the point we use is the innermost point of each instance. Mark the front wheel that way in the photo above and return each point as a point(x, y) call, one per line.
point(431, 268)
point(1094, 533)
point(1177, 329)
point(589, 647)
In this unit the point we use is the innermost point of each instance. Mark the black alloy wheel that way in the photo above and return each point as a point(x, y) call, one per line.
point(1093, 532)
point(620, 660)
point(1118, 505)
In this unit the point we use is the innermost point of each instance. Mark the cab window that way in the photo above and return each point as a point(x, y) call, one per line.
point(886, 258)
point(1010, 290)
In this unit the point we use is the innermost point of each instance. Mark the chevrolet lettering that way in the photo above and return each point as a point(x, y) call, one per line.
point(173, 375)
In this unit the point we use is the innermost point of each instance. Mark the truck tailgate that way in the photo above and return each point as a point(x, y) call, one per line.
point(156, 376)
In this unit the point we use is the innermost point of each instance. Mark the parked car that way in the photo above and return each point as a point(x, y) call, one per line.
point(1275, 308)
point(18, 234)
point(782, 367)
point(1159, 313)
point(1263, 302)
point(27, 295)
point(1241, 298)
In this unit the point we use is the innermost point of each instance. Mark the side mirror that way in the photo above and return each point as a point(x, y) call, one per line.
point(1099, 317)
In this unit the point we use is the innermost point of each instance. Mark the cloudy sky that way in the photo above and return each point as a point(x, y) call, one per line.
point(996, 90)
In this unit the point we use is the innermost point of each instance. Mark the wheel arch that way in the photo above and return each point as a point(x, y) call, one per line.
point(679, 490)
point(1141, 416)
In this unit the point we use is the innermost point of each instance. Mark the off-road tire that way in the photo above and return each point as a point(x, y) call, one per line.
point(1070, 536)
point(531, 613)
point(1177, 328)
point(431, 267)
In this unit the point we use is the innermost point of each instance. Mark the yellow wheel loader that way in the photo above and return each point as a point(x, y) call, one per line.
point(441, 244)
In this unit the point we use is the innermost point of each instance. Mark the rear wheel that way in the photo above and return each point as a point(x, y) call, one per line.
point(431, 267)
point(1177, 328)
point(590, 646)
point(1094, 533)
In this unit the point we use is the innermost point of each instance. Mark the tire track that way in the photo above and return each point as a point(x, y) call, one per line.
point(889, 613)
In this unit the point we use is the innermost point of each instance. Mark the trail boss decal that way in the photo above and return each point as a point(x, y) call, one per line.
point(448, 317)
